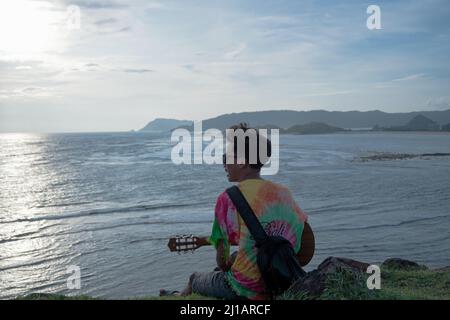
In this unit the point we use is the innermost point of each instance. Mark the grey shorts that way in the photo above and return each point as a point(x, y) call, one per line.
point(213, 284)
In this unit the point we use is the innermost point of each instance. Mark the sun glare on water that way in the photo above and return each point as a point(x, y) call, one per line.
point(29, 27)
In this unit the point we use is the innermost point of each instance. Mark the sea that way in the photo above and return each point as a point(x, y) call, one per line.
point(102, 206)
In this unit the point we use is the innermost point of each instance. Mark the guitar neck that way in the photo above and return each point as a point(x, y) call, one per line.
point(202, 241)
point(187, 243)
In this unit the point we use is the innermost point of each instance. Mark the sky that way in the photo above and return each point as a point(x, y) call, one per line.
point(128, 62)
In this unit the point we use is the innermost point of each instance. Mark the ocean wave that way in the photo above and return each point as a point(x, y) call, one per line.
point(149, 239)
point(387, 225)
point(156, 222)
point(57, 205)
point(101, 211)
point(24, 235)
point(333, 208)
point(30, 264)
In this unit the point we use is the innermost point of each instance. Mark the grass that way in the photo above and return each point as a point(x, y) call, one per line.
point(190, 297)
point(346, 285)
point(416, 284)
point(396, 284)
point(51, 296)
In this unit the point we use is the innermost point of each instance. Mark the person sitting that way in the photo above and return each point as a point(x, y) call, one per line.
point(237, 275)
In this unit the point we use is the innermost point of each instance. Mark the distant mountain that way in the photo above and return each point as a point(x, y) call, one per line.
point(421, 122)
point(418, 123)
point(446, 127)
point(349, 119)
point(161, 125)
point(288, 118)
point(313, 128)
point(268, 127)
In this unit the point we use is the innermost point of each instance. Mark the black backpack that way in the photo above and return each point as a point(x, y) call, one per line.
point(276, 258)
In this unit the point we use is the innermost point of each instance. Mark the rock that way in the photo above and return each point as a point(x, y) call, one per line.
point(314, 284)
point(386, 156)
point(444, 269)
point(330, 264)
point(403, 264)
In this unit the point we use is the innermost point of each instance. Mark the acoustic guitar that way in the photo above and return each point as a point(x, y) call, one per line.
point(186, 243)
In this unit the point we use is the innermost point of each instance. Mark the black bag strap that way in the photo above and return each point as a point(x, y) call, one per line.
point(247, 214)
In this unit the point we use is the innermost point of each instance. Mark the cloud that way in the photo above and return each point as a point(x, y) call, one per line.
point(124, 29)
point(24, 67)
point(154, 5)
point(112, 31)
point(29, 92)
point(12, 64)
point(92, 65)
point(191, 67)
point(97, 4)
point(106, 21)
point(278, 20)
point(236, 52)
point(328, 94)
point(32, 90)
point(410, 77)
point(137, 70)
point(442, 103)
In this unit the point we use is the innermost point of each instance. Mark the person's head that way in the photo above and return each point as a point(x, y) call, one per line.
point(247, 152)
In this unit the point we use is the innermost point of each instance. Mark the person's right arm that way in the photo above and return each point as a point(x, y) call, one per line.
point(219, 235)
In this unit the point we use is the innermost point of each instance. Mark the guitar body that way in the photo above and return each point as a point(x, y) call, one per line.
point(307, 246)
point(191, 243)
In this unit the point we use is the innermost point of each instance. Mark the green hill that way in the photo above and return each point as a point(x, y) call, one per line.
point(418, 123)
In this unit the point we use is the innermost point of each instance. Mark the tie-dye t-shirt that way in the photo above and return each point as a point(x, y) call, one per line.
point(278, 213)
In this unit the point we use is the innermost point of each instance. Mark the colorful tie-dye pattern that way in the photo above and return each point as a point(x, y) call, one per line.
point(278, 213)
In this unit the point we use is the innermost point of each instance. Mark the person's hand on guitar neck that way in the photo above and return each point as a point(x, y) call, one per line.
point(202, 241)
